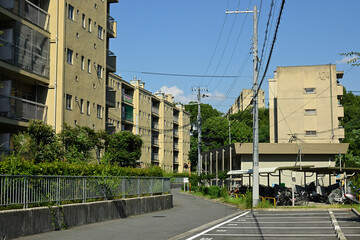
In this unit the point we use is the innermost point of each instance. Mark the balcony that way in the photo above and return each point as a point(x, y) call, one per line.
point(111, 27)
point(176, 160)
point(155, 126)
point(25, 54)
point(155, 110)
point(155, 157)
point(113, 1)
point(127, 98)
point(127, 116)
point(109, 127)
point(176, 146)
point(155, 141)
point(110, 61)
point(22, 109)
point(176, 133)
point(340, 111)
point(176, 119)
point(340, 90)
point(29, 11)
point(110, 97)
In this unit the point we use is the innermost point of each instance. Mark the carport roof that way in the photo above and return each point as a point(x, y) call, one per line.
point(306, 168)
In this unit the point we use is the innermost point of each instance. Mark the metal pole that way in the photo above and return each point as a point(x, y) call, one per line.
point(199, 132)
point(229, 130)
point(206, 170)
point(217, 168)
point(223, 160)
point(230, 166)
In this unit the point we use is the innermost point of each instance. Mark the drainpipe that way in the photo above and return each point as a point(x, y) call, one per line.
point(56, 58)
point(331, 107)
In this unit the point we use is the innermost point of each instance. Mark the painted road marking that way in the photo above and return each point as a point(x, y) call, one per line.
point(273, 235)
point(216, 226)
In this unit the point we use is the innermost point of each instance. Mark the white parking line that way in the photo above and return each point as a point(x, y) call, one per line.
point(279, 227)
point(216, 226)
point(273, 235)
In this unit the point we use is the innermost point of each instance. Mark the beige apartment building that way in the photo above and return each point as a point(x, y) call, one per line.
point(244, 100)
point(163, 127)
point(56, 65)
point(304, 104)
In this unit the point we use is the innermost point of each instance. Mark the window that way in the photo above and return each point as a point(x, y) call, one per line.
point(71, 12)
point(309, 90)
point(88, 108)
point(100, 32)
point(310, 133)
point(82, 63)
point(99, 71)
point(310, 112)
point(70, 54)
point(89, 66)
point(83, 21)
point(89, 27)
point(81, 105)
point(68, 101)
point(98, 111)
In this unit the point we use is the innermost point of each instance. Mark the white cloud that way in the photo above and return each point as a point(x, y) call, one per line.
point(177, 93)
point(344, 60)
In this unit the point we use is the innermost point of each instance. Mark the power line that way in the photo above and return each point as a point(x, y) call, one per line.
point(181, 75)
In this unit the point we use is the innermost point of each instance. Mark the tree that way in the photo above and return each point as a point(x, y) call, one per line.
point(354, 61)
point(39, 143)
point(78, 142)
point(123, 148)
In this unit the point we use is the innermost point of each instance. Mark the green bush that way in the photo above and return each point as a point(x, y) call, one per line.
point(194, 181)
point(16, 165)
point(214, 191)
point(224, 192)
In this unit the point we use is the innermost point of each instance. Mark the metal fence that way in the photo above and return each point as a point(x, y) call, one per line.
point(25, 190)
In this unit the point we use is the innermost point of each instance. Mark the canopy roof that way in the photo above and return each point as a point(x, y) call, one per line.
point(306, 168)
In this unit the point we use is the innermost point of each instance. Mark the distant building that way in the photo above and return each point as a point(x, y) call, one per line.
point(244, 100)
point(304, 105)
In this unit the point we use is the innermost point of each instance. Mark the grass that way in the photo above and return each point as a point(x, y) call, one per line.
point(246, 202)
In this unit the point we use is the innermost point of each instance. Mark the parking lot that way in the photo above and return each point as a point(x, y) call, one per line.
point(309, 224)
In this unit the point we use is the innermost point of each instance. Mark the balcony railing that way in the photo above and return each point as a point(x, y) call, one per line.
point(22, 109)
point(176, 146)
point(155, 126)
point(29, 11)
point(176, 119)
point(26, 56)
point(176, 133)
point(110, 61)
point(155, 157)
point(111, 26)
point(176, 159)
point(110, 96)
point(155, 141)
point(155, 110)
point(127, 116)
point(126, 98)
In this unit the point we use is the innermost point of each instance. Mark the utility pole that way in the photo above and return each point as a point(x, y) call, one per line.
point(255, 192)
point(199, 96)
point(229, 130)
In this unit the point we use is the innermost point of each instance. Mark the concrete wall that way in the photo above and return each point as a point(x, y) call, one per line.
point(23, 222)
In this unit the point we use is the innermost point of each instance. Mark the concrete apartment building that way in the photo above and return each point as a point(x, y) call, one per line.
point(163, 127)
point(304, 105)
point(244, 100)
point(56, 66)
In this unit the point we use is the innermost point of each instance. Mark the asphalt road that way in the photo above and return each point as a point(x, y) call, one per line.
point(189, 212)
point(271, 225)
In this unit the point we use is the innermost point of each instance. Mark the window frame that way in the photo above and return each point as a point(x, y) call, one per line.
point(88, 106)
point(100, 32)
point(89, 66)
point(71, 10)
point(306, 90)
point(82, 106)
point(310, 133)
point(310, 112)
point(68, 101)
point(99, 111)
point(70, 56)
point(89, 27)
point(83, 20)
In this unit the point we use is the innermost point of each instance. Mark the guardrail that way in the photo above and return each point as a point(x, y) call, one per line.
point(25, 190)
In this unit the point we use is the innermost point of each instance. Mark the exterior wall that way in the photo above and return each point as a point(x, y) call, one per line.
point(305, 105)
point(244, 99)
point(184, 138)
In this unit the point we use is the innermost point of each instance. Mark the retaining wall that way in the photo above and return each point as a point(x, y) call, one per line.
point(23, 222)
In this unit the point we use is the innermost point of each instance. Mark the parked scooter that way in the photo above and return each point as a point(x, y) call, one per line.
point(340, 195)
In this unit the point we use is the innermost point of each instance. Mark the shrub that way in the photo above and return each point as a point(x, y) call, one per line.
point(214, 191)
point(194, 181)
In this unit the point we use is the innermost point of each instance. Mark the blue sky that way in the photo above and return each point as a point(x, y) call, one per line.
point(196, 37)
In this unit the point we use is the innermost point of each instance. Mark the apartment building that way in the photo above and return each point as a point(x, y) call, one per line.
point(244, 100)
point(163, 127)
point(304, 104)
